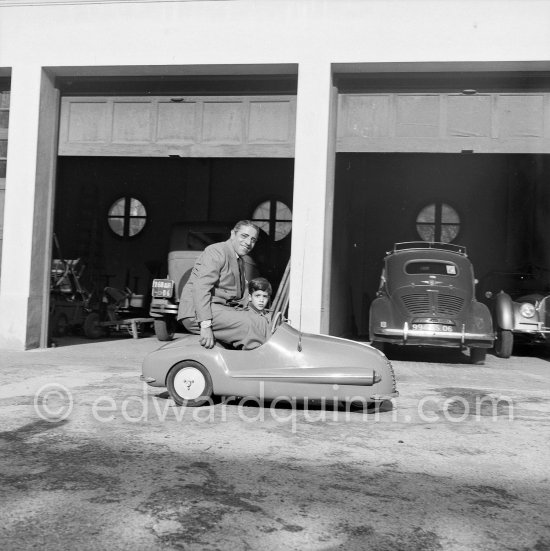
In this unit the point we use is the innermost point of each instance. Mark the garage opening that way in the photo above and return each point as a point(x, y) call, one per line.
point(461, 157)
point(96, 197)
point(140, 161)
point(495, 205)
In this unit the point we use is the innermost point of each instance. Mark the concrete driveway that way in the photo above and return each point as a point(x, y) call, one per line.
point(100, 461)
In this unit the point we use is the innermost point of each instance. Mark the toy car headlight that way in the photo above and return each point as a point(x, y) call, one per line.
point(527, 310)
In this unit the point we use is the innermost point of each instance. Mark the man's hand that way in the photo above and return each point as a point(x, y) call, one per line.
point(207, 337)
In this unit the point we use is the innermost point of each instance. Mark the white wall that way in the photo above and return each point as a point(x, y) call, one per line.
point(170, 37)
point(274, 31)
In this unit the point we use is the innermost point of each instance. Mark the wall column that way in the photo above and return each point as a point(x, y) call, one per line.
point(30, 184)
point(313, 198)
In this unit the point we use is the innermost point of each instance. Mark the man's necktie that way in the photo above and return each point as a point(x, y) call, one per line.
point(240, 262)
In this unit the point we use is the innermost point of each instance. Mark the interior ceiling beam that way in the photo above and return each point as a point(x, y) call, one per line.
point(187, 85)
point(442, 81)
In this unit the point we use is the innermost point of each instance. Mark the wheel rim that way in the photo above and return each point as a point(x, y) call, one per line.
point(189, 383)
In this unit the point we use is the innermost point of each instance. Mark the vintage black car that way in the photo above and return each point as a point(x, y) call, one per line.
point(520, 302)
point(427, 298)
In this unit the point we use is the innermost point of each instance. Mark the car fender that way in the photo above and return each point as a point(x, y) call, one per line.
point(481, 320)
point(504, 311)
point(380, 310)
point(158, 364)
point(212, 359)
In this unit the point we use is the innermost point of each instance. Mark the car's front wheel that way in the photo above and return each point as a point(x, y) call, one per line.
point(189, 384)
point(60, 325)
point(504, 343)
point(92, 327)
point(165, 328)
point(478, 355)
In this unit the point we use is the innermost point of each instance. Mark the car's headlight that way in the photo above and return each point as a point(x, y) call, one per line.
point(527, 310)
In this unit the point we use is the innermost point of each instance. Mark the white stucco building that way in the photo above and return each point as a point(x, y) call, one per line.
point(362, 97)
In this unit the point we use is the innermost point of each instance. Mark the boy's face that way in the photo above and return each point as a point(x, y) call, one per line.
point(259, 299)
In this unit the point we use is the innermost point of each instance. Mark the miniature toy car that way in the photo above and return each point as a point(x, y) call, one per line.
point(521, 310)
point(290, 364)
point(426, 297)
point(187, 241)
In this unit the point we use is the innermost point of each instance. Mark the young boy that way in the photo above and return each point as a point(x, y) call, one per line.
point(259, 295)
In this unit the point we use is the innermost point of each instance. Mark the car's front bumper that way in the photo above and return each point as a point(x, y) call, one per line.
point(531, 333)
point(535, 328)
point(407, 336)
point(162, 307)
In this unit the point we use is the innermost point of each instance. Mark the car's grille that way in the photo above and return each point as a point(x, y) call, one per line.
point(449, 304)
point(417, 304)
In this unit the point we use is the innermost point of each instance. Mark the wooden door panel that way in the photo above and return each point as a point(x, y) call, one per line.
point(189, 126)
point(491, 122)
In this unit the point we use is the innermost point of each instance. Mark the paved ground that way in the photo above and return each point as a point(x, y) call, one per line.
point(461, 462)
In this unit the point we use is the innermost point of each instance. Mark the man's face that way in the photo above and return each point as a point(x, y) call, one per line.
point(244, 239)
point(259, 299)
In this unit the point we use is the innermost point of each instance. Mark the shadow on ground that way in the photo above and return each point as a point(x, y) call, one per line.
point(194, 499)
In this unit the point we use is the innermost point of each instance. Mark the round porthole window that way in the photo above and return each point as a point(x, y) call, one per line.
point(127, 217)
point(438, 222)
point(274, 218)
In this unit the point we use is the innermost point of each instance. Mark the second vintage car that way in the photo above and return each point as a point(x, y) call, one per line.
point(427, 298)
point(520, 302)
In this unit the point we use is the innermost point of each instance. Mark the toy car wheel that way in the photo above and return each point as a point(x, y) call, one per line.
point(60, 325)
point(165, 328)
point(478, 355)
point(189, 384)
point(504, 343)
point(92, 329)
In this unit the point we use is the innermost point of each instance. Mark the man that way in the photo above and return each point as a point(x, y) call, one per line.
point(217, 286)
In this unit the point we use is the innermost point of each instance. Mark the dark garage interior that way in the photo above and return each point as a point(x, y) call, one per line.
point(502, 203)
point(171, 190)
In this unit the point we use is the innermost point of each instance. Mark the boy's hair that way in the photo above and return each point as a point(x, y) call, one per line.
point(259, 284)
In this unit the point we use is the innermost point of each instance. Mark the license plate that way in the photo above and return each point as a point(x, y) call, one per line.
point(436, 327)
point(163, 288)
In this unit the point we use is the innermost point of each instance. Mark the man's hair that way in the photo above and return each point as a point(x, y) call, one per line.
point(241, 223)
point(259, 284)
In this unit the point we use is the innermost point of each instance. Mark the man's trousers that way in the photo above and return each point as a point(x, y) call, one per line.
point(235, 327)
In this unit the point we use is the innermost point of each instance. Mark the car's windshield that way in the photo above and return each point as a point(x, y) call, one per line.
point(435, 267)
